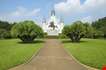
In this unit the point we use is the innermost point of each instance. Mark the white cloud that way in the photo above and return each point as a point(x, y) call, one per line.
point(69, 6)
point(92, 8)
point(21, 11)
point(19, 14)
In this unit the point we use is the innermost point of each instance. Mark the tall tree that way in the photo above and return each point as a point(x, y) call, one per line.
point(100, 25)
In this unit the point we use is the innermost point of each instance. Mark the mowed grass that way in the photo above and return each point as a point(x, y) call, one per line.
point(91, 52)
point(13, 52)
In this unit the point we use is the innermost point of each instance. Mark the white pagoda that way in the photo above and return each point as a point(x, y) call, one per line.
point(54, 26)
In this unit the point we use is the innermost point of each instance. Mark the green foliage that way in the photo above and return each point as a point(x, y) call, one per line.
point(62, 36)
point(66, 29)
point(98, 34)
point(27, 31)
point(77, 27)
point(86, 30)
point(75, 31)
point(5, 25)
point(5, 28)
point(89, 30)
point(4, 34)
point(100, 25)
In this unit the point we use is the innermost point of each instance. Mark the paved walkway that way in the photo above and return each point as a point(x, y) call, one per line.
point(51, 57)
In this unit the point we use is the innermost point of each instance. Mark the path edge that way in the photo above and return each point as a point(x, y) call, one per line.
point(89, 67)
point(28, 61)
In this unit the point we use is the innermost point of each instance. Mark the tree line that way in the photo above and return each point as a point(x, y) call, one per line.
point(5, 28)
point(27, 31)
point(78, 30)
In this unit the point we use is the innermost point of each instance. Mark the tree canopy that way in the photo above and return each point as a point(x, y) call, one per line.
point(100, 26)
point(27, 31)
point(5, 28)
point(75, 31)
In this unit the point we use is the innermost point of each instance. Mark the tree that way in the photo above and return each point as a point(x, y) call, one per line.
point(75, 31)
point(4, 34)
point(89, 30)
point(5, 28)
point(27, 31)
point(97, 34)
point(5, 25)
point(100, 25)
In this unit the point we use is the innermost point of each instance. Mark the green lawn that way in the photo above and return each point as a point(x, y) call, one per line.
point(91, 52)
point(13, 52)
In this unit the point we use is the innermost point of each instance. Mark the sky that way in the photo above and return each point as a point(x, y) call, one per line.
point(36, 10)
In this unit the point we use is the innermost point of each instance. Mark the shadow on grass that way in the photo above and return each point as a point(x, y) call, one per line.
point(34, 42)
point(69, 41)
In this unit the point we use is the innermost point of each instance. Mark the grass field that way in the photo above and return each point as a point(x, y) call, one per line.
point(13, 52)
point(91, 52)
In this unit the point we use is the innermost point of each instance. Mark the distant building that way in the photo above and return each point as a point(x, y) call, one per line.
point(53, 26)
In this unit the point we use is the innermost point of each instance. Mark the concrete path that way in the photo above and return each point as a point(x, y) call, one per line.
point(52, 57)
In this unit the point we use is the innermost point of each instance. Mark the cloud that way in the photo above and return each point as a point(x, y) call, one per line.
point(21, 13)
point(69, 6)
point(92, 8)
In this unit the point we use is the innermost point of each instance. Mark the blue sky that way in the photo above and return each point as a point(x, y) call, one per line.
point(69, 10)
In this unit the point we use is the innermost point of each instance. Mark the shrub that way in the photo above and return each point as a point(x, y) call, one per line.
point(62, 36)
